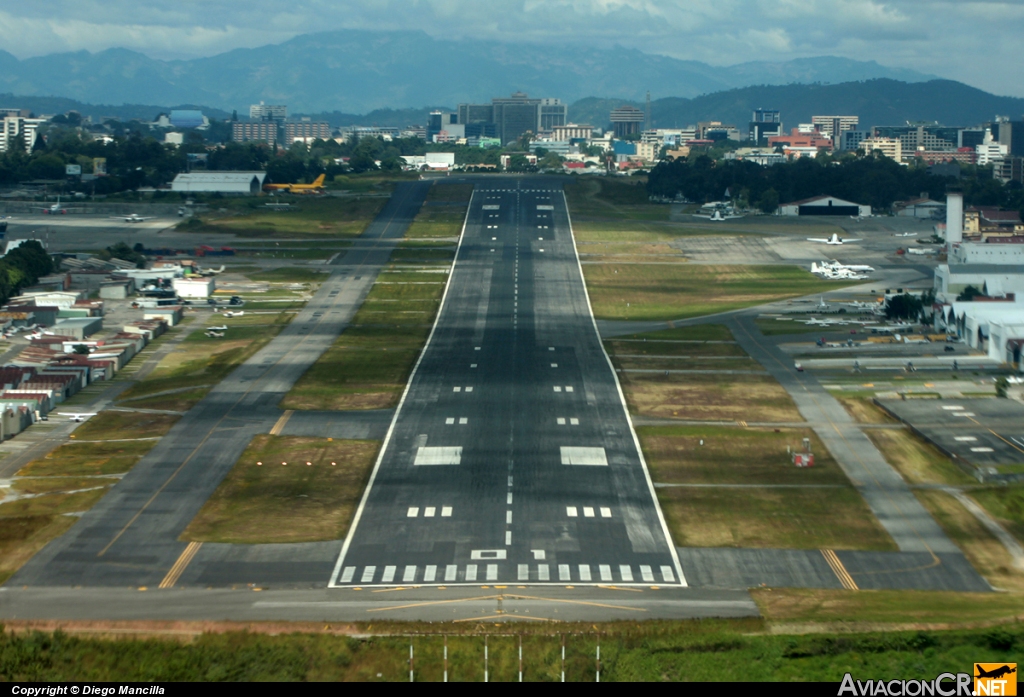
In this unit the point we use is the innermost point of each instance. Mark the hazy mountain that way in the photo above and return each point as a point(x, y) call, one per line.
point(876, 102)
point(358, 71)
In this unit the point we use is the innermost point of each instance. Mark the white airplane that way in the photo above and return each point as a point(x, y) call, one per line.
point(213, 272)
point(56, 209)
point(834, 239)
point(77, 417)
point(130, 218)
point(835, 274)
point(718, 215)
point(232, 313)
point(849, 267)
point(215, 335)
point(217, 329)
point(905, 234)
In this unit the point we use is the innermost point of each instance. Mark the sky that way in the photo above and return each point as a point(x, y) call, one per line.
point(974, 41)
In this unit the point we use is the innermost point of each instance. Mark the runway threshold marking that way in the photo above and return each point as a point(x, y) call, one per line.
point(252, 385)
point(179, 566)
point(995, 434)
point(279, 426)
point(839, 570)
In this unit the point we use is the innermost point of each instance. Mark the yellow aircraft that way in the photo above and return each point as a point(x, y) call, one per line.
point(317, 185)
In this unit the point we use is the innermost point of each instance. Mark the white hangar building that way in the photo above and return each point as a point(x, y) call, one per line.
point(247, 183)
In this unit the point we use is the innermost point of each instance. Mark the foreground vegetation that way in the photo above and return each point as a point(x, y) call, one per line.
point(707, 650)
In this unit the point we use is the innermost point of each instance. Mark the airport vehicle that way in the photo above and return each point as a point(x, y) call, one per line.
point(316, 187)
point(76, 416)
point(834, 239)
point(131, 218)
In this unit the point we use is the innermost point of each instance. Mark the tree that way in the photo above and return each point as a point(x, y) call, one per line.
point(903, 306)
point(969, 293)
point(80, 349)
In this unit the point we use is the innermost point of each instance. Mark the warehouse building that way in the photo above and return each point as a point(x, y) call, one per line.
point(219, 182)
point(824, 205)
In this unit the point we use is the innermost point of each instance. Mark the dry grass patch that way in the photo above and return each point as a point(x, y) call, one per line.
point(22, 537)
point(1006, 504)
point(88, 459)
point(734, 456)
point(919, 462)
point(834, 518)
point(272, 503)
point(708, 397)
point(111, 425)
point(865, 411)
point(928, 608)
point(985, 552)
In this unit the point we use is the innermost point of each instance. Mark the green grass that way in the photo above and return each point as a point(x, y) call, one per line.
point(774, 518)
point(708, 650)
point(664, 292)
point(275, 503)
point(1006, 504)
point(434, 222)
point(697, 332)
point(314, 217)
point(290, 274)
point(441, 192)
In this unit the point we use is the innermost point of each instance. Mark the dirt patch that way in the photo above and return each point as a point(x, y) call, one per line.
point(865, 411)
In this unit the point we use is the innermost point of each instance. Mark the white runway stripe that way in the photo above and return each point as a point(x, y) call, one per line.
point(605, 573)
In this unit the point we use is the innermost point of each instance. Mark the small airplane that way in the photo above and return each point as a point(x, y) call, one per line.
point(131, 218)
point(849, 267)
point(995, 672)
point(905, 234)
point(217, 329)
point(316, 186)
point(232, 313)
point(212, 272)
point(834, 239)
point(215, 335)
point(77, 417)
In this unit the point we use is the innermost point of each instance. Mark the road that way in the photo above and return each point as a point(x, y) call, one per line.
point(130, 538)
point(511, 458)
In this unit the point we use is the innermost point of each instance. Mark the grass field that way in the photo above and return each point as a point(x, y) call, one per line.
point(828, 513)
point(696, 396)
point(707, 650)
point(313, 217)
point(864, 410)
point(917, 461)
point(368, 365)
point(1006, 504)
point(201, 362)
point(678, 291)
point(290, 274)
point(294, 503)
point(71, 479)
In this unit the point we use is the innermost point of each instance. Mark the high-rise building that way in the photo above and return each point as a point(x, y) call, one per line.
point(245, 131)
point(552, 114)
point(834, 126)
point(890, 147)
point(438, 121)
point(302, 130)
point(19, 127)
point(515, 115)
point(268, 112)
point(764, 123)
point(626, 120)
point(476, 113)
point(1011, 134)
point(851, 140)
point(914, 137)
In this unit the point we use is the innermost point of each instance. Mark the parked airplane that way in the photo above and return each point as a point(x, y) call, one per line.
point(717, 215)
point(215, 335)
point(317, 185)
point(849, 267)
point(835, 274)
point(77, 417)
point(212, 272)
point(905, 234)
point(56, 209)
point(232, 313)
point(217, 329)
point(131, 218)
point(834, 239)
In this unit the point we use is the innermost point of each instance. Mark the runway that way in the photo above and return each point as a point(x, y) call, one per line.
point(511, 458)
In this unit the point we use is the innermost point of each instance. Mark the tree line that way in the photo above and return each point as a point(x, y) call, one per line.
point(23, 266)
point(874, 180)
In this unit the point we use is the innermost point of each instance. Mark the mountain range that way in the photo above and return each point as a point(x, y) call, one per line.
point(359, 71)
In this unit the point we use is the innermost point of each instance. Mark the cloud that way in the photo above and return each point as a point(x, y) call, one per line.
point(976, 41)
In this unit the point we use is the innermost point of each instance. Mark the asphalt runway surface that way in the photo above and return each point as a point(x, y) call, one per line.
point(130, 538)
point(983, 432)
point(511, 458)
